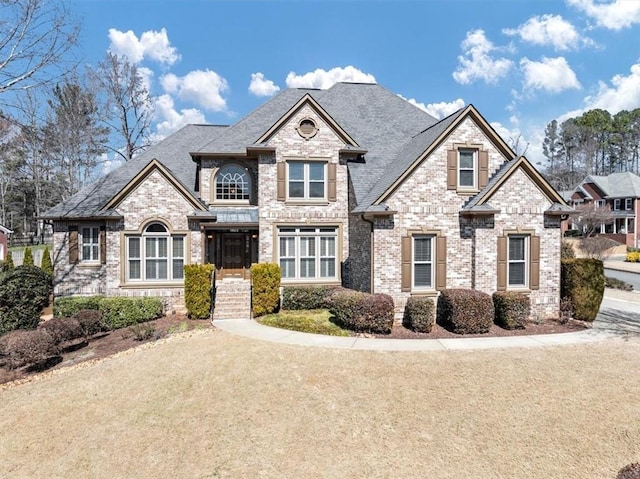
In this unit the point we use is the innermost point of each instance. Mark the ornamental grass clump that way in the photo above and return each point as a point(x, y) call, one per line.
point(512, 309)
point(465, 311)
point(362, 312)
point(419, 314)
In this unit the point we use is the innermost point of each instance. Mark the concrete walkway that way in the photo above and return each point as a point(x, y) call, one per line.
point(619, 317)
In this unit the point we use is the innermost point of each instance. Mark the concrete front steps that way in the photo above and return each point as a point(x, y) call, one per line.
point(233, 299)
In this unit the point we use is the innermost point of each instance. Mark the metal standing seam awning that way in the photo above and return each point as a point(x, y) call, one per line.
point(229, 217)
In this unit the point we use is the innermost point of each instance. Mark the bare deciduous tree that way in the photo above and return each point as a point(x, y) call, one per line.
point(590, 217)
point(128, 105)
point(35, 39)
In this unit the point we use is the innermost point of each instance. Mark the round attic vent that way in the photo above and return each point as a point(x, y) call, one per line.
point(307, 128)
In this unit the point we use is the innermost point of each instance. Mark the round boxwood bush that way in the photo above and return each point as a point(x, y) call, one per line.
point(63, 330)
point(465, 311)
point(419, 314)
point(362, 312)
point(27, 347)
point(24, 291)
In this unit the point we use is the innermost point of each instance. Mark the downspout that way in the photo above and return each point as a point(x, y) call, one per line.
point(371, 254)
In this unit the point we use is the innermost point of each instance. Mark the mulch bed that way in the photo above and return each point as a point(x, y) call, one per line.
point(108, 344)
point(548, 326)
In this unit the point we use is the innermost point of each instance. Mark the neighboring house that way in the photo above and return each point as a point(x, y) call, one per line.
point(4, 239)
point(352, 185)
point(618, 193)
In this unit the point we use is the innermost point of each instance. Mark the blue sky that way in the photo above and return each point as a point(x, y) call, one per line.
point(521, 63)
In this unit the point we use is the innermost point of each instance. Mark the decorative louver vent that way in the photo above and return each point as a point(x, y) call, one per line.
point(307, 128)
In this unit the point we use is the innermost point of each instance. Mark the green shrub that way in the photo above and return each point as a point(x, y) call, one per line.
point(630, 471)
point(9, 260)
point(90, 321)
point(465, 311)
point(362, 312)
point(572, 234)
point(117, 312)
point(566, 250)
point(69, 305)
point(63, 329)
point(419, 314)
point(27, 259)
point(197, 290)
point(24, 291)
point(265, 279)
point(582, 281)
point(142, 331)
point(27, 347)
point(306, 297)
point(512, 309)
point(46, 264)
point(616, 283)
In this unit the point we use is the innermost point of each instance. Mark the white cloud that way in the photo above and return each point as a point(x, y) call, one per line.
point(476, 63)
point(549, 30)
point(151, 44)
point(437, 110)
point(551, 74)
point(170, 120)
point(326, 79)
point(260, 86)
point(203, 87)
point(623, 94)
point(147, 77)
point(614, 15)
point(109, 164)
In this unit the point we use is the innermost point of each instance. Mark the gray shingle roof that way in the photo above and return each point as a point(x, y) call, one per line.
point(617, 185)
point(172, 152)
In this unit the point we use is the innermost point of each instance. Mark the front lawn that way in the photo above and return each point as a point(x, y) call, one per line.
point(317, 321)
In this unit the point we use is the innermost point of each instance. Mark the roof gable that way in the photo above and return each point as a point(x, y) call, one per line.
point(307, 100)
point(155, 165)
point(422, 145)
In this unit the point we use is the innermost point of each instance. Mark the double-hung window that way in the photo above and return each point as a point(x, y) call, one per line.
point(423, 263)
point(616, 204)
point(90, 243)
point(517, 273)
point(308, 253)
point(156, 255)
point(306, 180)
point(628, 204)
point(467, 169)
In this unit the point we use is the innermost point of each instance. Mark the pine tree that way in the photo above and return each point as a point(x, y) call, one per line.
point(28, 257)
point(46, 264)
point(9, 260)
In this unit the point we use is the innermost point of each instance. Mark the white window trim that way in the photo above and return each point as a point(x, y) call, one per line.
point(616, 204)
point(474, 151)
point(142, 237)
point(432, 262)
point(601, 203)
point(214, 186)
point(628, 204)
point(82, 244)
point(307, 181)
point(298, 233)
point(526, 261)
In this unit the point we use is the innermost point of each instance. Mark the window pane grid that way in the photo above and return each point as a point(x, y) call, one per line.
point(89, 243)
point(156, 255)
point(466, 168)
point(423, 261)
point(517, 261)
point(306, 179)
point(232, 183)
point(308, 253)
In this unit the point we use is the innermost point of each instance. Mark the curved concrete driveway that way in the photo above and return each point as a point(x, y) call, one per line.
point(619, 316)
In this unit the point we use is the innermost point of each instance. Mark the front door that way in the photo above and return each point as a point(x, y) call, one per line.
point(233, 254)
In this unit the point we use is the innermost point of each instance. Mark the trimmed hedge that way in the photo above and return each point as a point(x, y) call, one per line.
point(465, 311)
point(582, 281)
point(306, 297)
point(512, 309)
point(197, 290)
point(117, 312)
point(27, 347)
point(24, 291)
point(90, 321)
point(63, 329)
point(419, 314)
point(362, 312)
point(265, 278)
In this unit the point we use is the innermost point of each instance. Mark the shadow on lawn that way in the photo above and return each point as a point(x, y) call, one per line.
point(618, 322)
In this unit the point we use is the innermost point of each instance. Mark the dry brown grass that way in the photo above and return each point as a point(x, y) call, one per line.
point(209, 404)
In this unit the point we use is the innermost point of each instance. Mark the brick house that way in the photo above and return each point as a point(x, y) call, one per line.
point(4, 238)
point(618, 193)
point(351, 185)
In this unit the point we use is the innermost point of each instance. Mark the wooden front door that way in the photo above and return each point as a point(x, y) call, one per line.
point(233, 254)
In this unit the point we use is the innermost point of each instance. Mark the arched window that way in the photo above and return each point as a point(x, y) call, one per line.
point(233, 184)
point(156, 255)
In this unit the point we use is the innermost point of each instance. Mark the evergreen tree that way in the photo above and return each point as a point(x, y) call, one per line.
point(46, 264)
point(28, 257)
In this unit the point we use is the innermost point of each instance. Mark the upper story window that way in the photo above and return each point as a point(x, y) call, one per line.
point(156, 255)
point(306, 180)
point(601, 203)
point(232, 183)
point(90, 244)
point(628, 204)
point(616, 204)
point(467, 168)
